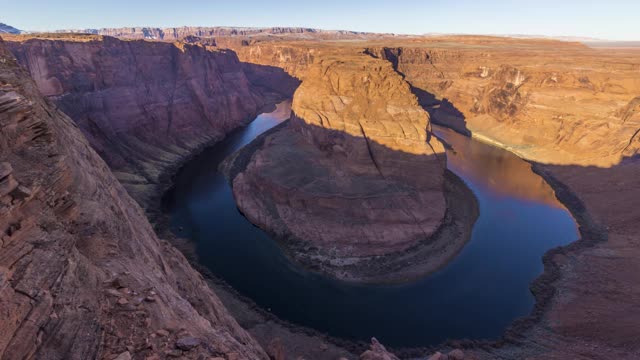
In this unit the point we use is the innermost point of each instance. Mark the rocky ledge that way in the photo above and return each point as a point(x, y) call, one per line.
point(354, 185)
point(82, 274)
point(144, 106)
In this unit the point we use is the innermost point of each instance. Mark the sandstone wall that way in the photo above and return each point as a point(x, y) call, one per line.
point(82, 274)
point(356, 174)
point(556, 103)
point(549, 101)
point(143, 106)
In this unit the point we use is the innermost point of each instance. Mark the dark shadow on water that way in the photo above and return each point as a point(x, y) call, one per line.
point(476, 296)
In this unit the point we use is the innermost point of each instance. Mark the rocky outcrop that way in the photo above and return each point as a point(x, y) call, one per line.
point(353, 185)
point(82, 274)
point(143, 106)
point(557, 103)
point(377, 351)
point(576, 109)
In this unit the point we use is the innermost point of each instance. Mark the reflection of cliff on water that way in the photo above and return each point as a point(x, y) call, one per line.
point(499, 171)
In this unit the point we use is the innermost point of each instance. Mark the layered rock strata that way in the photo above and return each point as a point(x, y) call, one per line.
point(82, 274)
point(353, 185)
point(552, 102)
point(563, 104)
point(143, 106)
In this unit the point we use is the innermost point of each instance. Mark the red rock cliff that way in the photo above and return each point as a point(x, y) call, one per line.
point(143, 106)
point(553, 102)
point(355, 175)
point(82, 274)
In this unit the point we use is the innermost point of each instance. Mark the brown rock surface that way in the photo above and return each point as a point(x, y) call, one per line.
point(377, 352)
point(556, 103)
point(179, 33)
point(72, 236)
point(552, 102)
point(356, 175)
point(143, 106)
point(563, 104)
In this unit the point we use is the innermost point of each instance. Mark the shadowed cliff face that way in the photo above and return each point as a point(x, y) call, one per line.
point(356, 173)
point(82, 274)
point(143, 106)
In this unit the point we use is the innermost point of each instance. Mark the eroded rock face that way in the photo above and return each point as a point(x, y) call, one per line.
point(377, 351)
point(82, 274)
point(143, 106)
point(552, 102)
point(355, 175)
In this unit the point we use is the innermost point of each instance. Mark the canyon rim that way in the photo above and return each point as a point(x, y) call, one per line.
point(354, 187)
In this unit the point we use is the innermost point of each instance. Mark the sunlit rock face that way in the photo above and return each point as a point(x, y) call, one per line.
point(143, 105)
point(362, 98)
point(355, 174)
point(552, 102)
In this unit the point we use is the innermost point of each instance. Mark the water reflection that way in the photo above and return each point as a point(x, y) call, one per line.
point(495, 170)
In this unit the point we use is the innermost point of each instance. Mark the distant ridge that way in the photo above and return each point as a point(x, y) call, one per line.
point(177, 33)
point(6, 29)
point(581, 39)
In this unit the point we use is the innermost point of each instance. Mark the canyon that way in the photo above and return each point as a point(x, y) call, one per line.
point(356, 175)
point(181, 97)
point(80, 257)
point(83, 273)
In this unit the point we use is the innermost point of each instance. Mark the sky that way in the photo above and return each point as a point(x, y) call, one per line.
point(604, 19)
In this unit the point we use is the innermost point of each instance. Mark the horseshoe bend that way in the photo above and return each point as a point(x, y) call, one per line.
point(295, 193)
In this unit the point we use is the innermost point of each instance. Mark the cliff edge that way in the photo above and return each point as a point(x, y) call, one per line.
point(354, 184)
point(82, 274)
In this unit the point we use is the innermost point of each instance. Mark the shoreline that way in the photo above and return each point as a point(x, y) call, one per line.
point(543, 287)
point(418, 261)
point(238, 305)
point(154, 207)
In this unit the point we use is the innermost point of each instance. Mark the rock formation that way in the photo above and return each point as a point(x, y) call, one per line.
point(355, 180)
point(377, 351)
point(504, 90)
point(179, 33)
point(556, 103)
point(143, 106)
point(82, 274)
point(510, 92)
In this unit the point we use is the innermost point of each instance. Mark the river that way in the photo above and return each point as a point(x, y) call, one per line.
point(476, 296)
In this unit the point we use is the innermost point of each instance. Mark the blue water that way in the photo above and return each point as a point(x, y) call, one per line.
point(476, 296)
